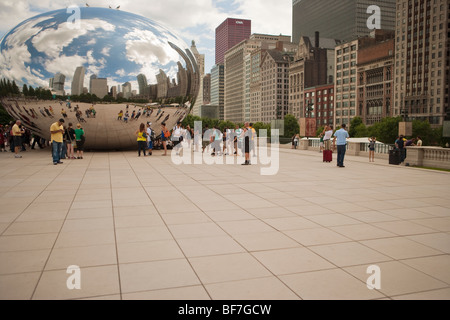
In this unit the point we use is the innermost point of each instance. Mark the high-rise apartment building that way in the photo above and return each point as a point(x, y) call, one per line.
point(99, 87)
point(375, 81)
point(274, 72)
point(207, 89)
point(347, 56)
point(313, 66)
point(422, 60)
point(126, 90)
point(218, 88)
point(238, 69)
point(143, 85)
point(78, 81)
point(322, 98)
point(344, 19)
point(230, 33)
point(56, 84)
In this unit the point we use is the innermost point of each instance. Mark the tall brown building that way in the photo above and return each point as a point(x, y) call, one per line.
point(238, 69)
point(313, 65)
point(347, 58)
point(274, 85)
point(375, 70)
point(422, 57)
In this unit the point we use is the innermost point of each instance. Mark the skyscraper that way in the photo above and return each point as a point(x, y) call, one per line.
point(230, 33)
point(343, 20)
point(126, 90)
point(99, 87)
point(143, 85)
point(422, 60)
point(78, 81)
point(238, 73)
point(201, 67)
point(57, 84)
point(218, 88)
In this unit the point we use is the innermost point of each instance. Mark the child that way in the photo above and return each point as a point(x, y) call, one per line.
point(372, 142)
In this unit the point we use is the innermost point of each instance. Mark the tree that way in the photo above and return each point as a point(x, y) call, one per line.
point(386, 131)
point(320, 130)
point(356, 121)
point(360, 131)
point(291, 126)
point(5, 118)
point(25, 90)
point(423, 129)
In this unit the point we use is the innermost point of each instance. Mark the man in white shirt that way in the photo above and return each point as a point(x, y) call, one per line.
point(328, 133)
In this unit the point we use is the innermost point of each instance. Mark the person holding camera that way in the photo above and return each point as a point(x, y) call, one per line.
point(57, 140)
point(17, 131)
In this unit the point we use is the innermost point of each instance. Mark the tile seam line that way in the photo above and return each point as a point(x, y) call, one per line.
point(59, 232)
point(165, 224)
point(246, 250)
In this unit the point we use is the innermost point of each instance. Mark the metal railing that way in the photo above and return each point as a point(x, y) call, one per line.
point(379, 147)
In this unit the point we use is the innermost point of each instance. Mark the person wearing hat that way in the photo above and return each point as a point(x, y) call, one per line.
point(57, 131)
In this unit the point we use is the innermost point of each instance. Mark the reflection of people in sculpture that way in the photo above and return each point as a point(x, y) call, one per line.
point(42, 112)
point(63, 113)
point(126, 117)
point(138, 115)
point(120, 115)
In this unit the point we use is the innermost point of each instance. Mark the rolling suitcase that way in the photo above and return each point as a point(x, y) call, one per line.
point(327, 156)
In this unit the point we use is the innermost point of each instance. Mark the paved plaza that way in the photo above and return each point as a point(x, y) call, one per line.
point(145, 228)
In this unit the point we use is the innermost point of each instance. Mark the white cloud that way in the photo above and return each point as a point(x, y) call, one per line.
point(192, 20)
point(52, 42)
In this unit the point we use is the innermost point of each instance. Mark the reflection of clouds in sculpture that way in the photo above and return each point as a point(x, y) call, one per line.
point(110, 44)
point(53, 41)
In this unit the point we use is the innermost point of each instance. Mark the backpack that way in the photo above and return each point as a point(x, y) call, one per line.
point(167, 134)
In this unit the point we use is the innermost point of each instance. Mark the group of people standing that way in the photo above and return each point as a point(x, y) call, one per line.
point(65, 140)
point(240, 138)
point(339, 142)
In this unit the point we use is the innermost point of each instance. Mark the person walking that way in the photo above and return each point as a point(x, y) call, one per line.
point(141, 139)
point(57, 140)
point(372, 143)
point(80, 137)
point(341, 136)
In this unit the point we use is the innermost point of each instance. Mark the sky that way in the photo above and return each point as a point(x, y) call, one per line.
point(191, 20)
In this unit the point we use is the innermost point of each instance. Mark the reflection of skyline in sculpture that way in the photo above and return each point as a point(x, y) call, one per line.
point(56, 84)
point(113, 53)
point(118, 46)
point(78, 81)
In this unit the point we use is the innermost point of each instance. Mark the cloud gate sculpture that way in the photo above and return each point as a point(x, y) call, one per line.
point(108, 53)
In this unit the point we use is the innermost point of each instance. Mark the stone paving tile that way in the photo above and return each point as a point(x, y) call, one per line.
point(221, 232)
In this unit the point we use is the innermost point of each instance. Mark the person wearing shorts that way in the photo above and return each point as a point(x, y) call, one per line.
point(17, 132)
point(79, 134)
